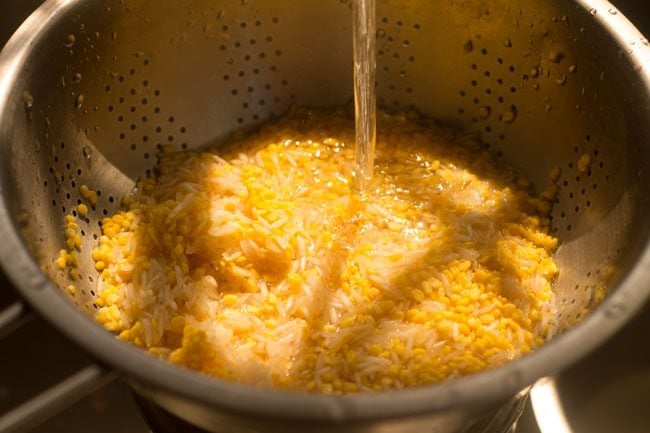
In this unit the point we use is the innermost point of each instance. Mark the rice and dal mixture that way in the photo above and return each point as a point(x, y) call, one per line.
point(258, 263)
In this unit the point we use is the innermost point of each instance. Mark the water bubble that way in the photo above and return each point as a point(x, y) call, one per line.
point(70, 40)
point(561, 81)
point(484, 112)
point(29, 100)
point(468, 47)
point(381, 33)
point(507, 43)
point(78, 103)
point(87, 152)
point(573, 69)
point(555, 56)
point(76, 77)
point(593, 12)
point(612, 11)
point(509, 115)
point(644, 41)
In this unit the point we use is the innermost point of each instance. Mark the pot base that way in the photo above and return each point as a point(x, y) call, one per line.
point(160, 421)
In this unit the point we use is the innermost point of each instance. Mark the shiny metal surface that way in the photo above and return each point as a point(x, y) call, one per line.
point(608, 391)
point(92, 108)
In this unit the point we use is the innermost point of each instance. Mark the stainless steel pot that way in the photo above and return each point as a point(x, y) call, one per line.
point(89, 89)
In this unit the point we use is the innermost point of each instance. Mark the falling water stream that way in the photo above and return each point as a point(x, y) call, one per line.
point(364, 91)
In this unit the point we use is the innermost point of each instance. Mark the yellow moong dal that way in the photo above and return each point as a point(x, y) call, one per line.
point(257, 262)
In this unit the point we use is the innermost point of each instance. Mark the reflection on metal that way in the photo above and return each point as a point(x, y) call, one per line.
point(547, 407)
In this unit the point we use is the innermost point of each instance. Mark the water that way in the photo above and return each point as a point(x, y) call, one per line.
point(364, 43)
